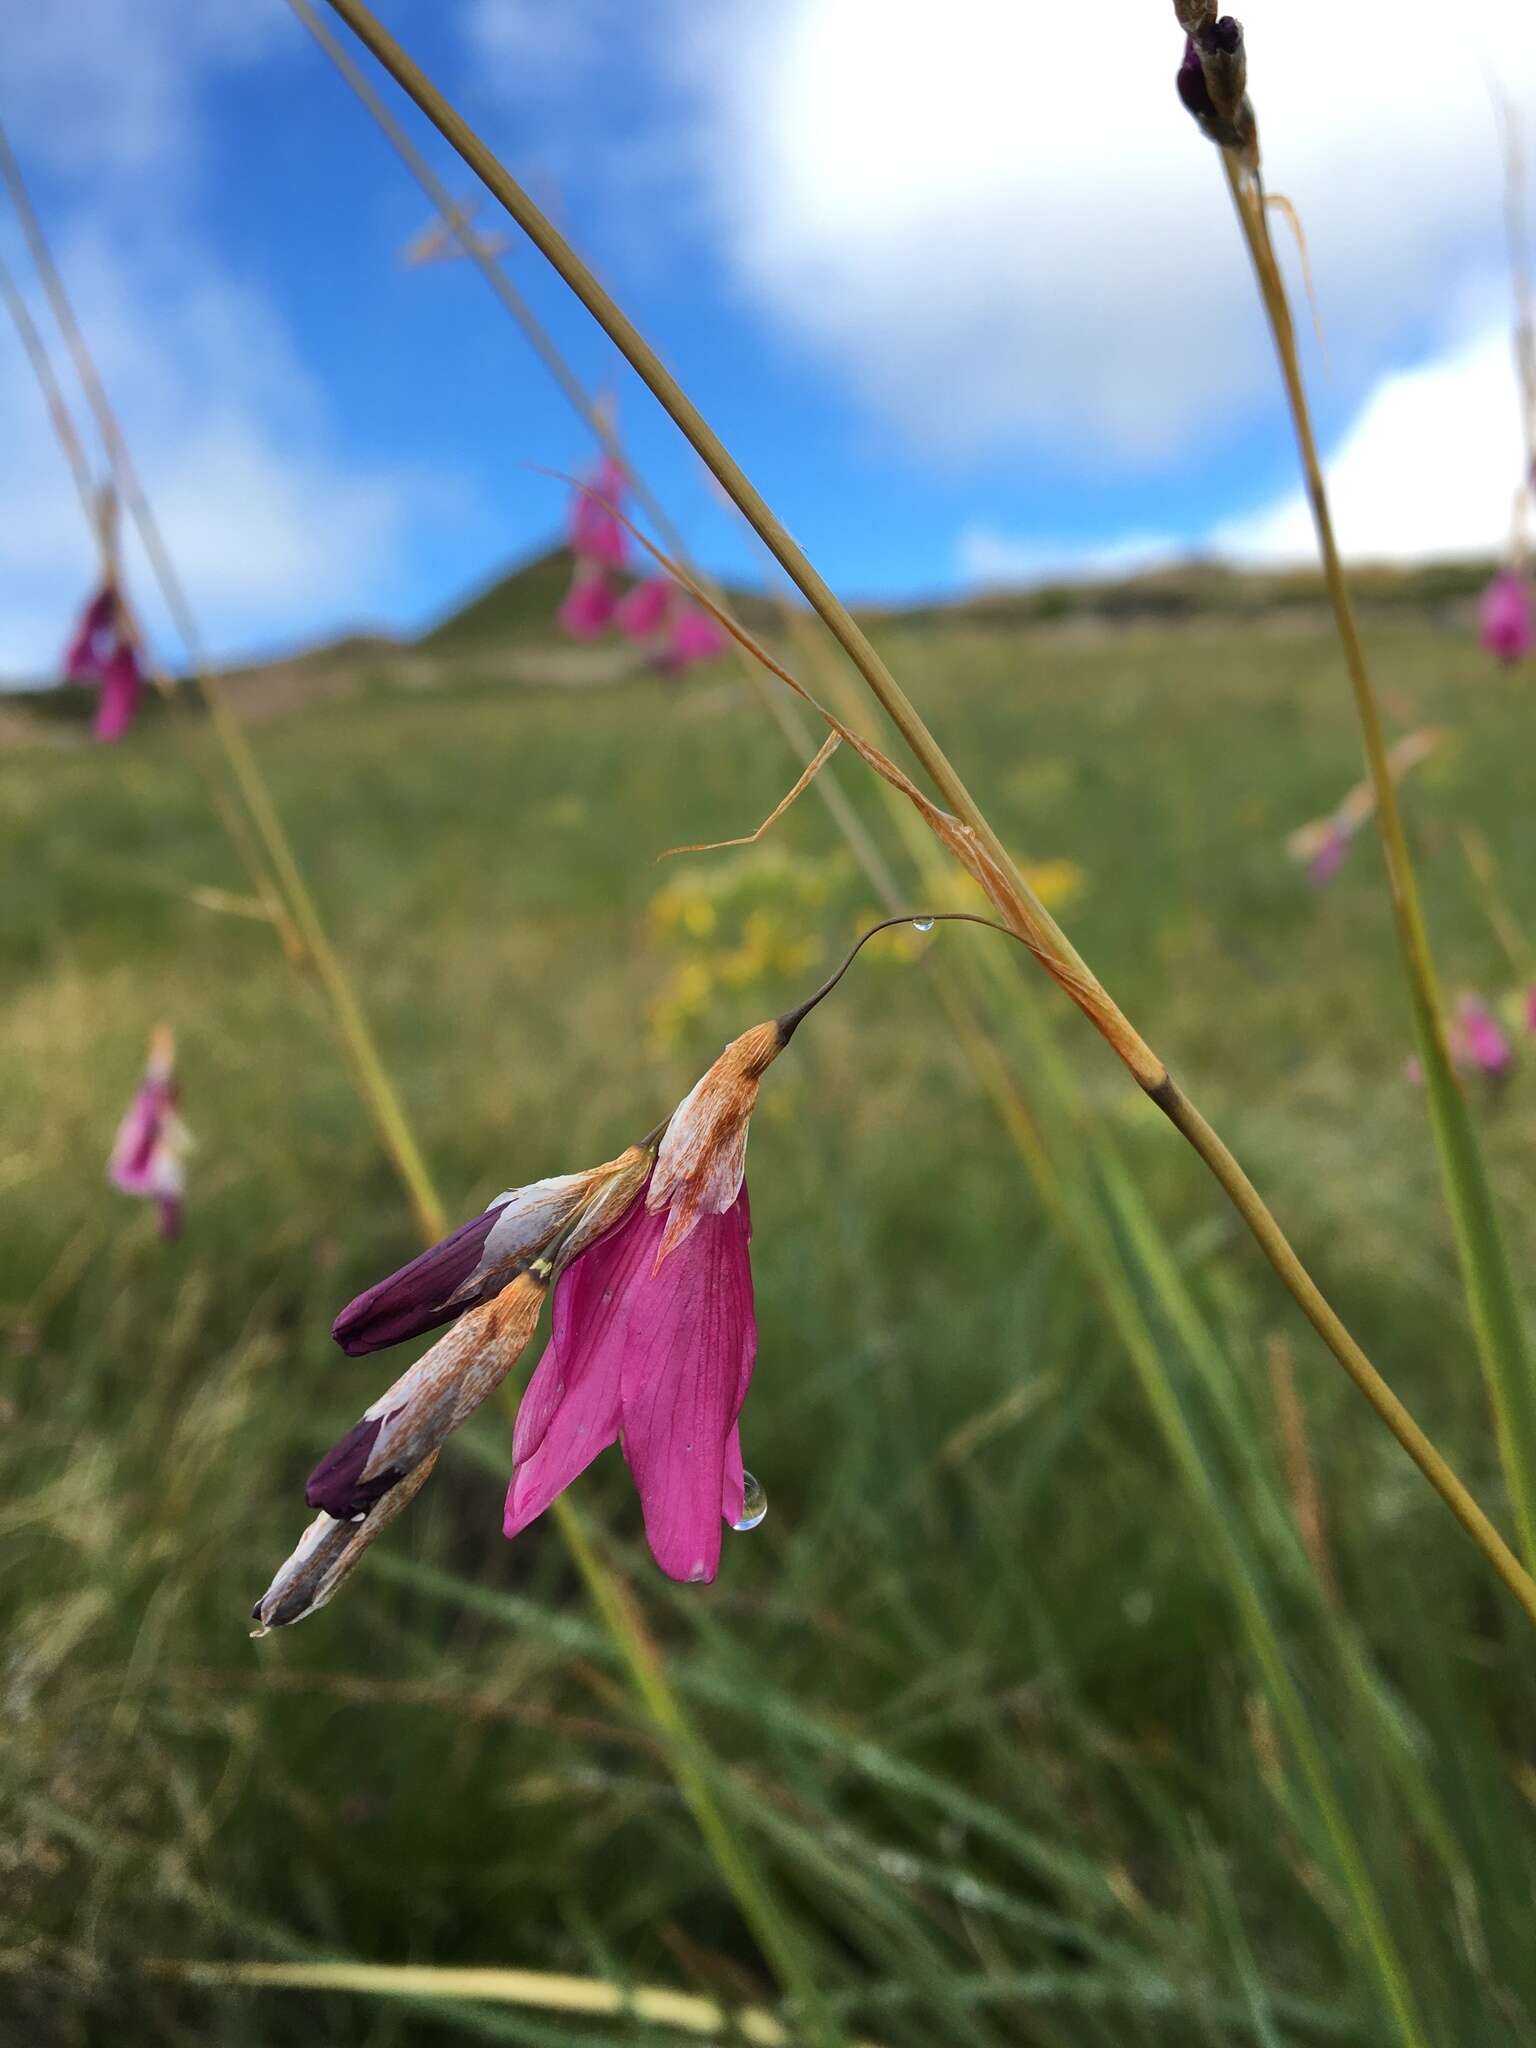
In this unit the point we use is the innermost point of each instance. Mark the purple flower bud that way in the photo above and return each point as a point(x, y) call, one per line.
point(337, 1484)
point(1191, 84)
point(417, 1297)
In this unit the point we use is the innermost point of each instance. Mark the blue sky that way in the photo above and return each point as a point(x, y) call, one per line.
point(967, 304)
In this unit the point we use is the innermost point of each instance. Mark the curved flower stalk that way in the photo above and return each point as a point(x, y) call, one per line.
point(152, 1140)
point(1505, 625)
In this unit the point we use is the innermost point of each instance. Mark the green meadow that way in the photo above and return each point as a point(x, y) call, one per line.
point(981, 1697)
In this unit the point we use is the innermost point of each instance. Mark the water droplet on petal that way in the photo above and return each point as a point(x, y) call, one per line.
point(922, 924)
point(754, 1504)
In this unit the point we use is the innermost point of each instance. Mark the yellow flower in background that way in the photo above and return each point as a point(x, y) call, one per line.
point(1055, 882)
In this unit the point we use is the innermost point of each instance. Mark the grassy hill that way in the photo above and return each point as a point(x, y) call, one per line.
point(977, 1689)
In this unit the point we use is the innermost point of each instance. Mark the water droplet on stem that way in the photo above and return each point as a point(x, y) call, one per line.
point(922, 924)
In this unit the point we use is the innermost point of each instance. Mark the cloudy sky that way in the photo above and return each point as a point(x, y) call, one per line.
point(959, 285)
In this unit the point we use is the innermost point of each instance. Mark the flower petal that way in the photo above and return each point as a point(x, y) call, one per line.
point(733, 1492)
point(689, 1342)
point(570, 1408)
point(118, 698)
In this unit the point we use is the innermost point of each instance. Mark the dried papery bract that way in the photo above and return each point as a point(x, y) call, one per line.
point(327, 1554)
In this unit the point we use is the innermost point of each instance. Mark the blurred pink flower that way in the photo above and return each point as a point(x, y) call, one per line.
point(596, 535)
point(693, 637)
point(588, 609)
point(642, 610)
point(1479, 1038)
point(1329, 857)
point(101, 651)
point(151, 1139)
point(118, 698)
point(1506, 628)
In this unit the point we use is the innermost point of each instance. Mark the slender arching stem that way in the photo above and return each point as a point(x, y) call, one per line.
point(1498, 1324)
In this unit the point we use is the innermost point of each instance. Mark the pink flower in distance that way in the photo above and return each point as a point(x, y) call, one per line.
point(596, 535)
point(86, 656)
point(694, 637)
point(643, 609)
point(102, 652)
point(1505, 625)
point(151, 1139)
point(587, 611)
point(1480, 1039)
point(654, 1334)
point(1329, 857)
point(118, 698)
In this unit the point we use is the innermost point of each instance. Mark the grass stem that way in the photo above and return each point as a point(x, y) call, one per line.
point(1497, 1319)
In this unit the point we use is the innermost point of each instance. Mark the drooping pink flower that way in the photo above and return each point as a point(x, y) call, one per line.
point(655, 1334)
point(102, 651)
point(1480, 1038)
point(152, 1139)
point(1505, 625)
point(86, 656)
point(596, 535)
point(642, 610)
point(587, 611)
point(693, 637)
point(118, 698)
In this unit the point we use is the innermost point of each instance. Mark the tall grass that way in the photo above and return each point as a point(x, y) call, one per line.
point(977, 1693)
point(976, 1859)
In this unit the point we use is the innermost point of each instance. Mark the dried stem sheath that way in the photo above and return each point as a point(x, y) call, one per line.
point(1497, 1320)
point(1132, 1048)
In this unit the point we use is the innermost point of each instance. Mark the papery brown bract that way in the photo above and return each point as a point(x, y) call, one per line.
point(701, 1161)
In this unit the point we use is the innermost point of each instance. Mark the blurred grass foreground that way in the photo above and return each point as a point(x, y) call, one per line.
point(976, 1692)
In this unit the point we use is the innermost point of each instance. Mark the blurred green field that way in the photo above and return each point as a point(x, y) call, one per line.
point(977, 1691)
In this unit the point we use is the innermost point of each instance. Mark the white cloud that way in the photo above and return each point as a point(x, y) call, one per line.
point(998, 224)
point(985, 556)
point(1428, 467)
point(277, 529)
point(113, 85)
point(273, 529)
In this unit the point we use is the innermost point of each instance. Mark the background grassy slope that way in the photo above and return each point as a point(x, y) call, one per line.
point(975, 1683)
